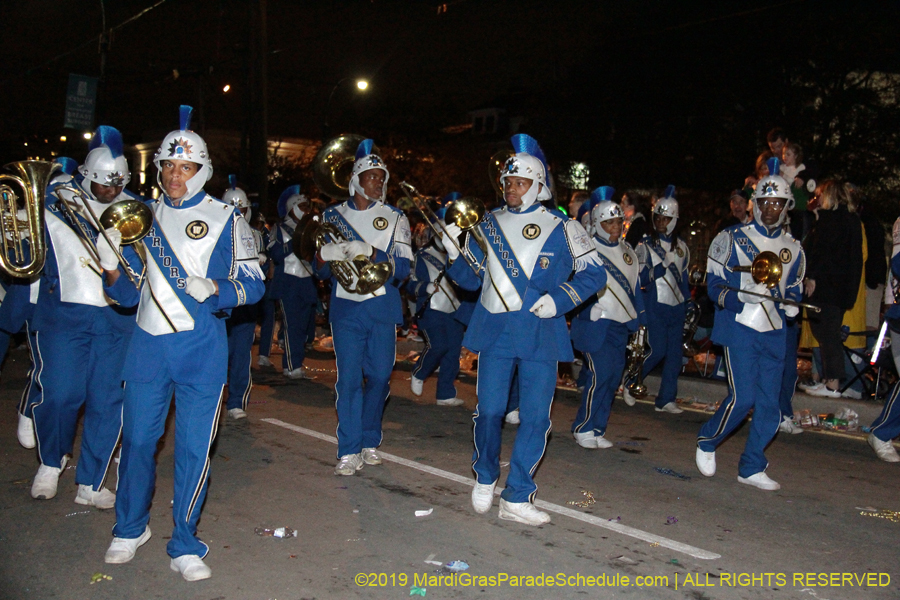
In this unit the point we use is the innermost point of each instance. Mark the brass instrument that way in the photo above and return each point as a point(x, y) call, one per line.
point(466, 213)
point(303, 241)
point(333, 165)
point(697, 275)
point(637, 352)
point(369, 276)
point(34, 177)
point(767, 269)
point(691, 321)
point(132, 218)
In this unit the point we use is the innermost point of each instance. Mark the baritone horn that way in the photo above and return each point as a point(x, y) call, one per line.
point(33, 177)
point(466, 213)
point(637, 352)
point(369, 276)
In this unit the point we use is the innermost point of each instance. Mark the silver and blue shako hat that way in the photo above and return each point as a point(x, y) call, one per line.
point(528, 162)
point(367, 160)
point(105, 162)
point(772, 185)
point(290, 198)
point(667, 206)
point(184, 144)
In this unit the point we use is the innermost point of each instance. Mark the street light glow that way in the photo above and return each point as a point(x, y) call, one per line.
point(226, 88)
point(362, 84)
point(62, 138)
point(88, 135)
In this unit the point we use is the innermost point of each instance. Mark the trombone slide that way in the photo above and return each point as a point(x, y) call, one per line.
point(787, 301)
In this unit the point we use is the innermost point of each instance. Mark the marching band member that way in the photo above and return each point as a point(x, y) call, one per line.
point(538, 265)
point(364, 326)
point(752, 328)
point(80, 334)
point(293, 286)
point(664, 260)
point(241, 325)
point(443, 313)
point(201, 262)
point(601, 329)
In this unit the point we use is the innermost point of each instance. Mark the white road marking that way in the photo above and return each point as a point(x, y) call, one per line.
point(554, 508)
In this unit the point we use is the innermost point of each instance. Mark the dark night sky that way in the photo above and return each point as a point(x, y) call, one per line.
point(689, 88)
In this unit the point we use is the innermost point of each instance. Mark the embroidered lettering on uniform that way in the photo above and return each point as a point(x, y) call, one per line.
point(380, 223)
point(167, 260)
point(551, 254)
point(180, 283)
point(531, 231)
point(196, 230)
point(785, 255)
point(501, 253)
point(544, 262)
point(627, 258)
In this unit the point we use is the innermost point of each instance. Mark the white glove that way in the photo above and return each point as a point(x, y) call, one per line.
point(453, 232)
point(200, 288)
point(429, 289)
point(262, 258)
point(544, 308)
point(356, 248)
point(108, 259)
point(757, 288)
point(331, 252)
point(791, 311)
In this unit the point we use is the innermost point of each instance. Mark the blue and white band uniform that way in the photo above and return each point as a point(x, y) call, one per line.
point(671, 280)
point(433, 261)
point(620, 300)
point(529, 254)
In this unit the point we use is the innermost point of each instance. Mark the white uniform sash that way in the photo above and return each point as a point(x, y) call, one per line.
point(293, 265)
point(515, 242)
point(80, 277)
point(762, 316)
point(179, 244)
point(668, 288)
point(444, 299)
point(616, 301)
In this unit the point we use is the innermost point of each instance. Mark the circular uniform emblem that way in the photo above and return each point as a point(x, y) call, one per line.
point(196, 230)
point(380, 223)
point(679, 252)
point(531, 231)
point(544, 262)
point(627, 258)
point(785, 255)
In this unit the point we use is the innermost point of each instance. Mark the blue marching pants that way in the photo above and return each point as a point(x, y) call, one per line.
point(887, 426)
point(601, 384)
point(295, 314)
point(143, 424)
point(365, 353)
point(665, 328)
point(240, 343)
point(443, 342)
point(31, 395)
point(267, 325)
point(789, 377)
point(80, 369)
point(537, 385)
point(750, 385)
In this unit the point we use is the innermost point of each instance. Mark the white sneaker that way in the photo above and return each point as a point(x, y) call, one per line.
point(512, 417)
point(449, 402)
point(761, 481)
point(264, 362)
point(25, 432)
point(787, 425)
point(522, 512)
point(809, 385)
point(415, 385)
point(852, 394)
point(237, 413)
point(824, 392)
point(46, 480)
point(671, 407)
point(586, 440)
point(706, 462)
point(349, 464)
point(297, 373)
point(122, 550)
point(103, 499)
point(602, 442)
point(629, 399)
point(191, 567)
point(884, 450)
point(370, 456)
point(483, 497)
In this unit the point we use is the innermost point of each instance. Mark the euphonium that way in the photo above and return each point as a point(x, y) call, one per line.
point(369, 276)
point(634, 366)
point(34, 177)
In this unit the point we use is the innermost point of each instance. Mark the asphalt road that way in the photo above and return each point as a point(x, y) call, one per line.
point(691, 536)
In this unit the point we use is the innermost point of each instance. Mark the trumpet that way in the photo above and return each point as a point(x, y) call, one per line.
point(766, 268)
point(637, 352)
point(132, 218)
point(369, 276)
point(466, 213)
point(34, 177)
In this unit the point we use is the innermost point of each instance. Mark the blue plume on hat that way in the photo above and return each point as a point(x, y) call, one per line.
point(109, 137)
point(232, 182)
point(584, 208)
point(364, 148)
point(451, 197)
point(522, 142)
point(774, 165)
point(68, 164)
point(282, 200)
point(602, 194)
point(184, 117)
point(670, 192)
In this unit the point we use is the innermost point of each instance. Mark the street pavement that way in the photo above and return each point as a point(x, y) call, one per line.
point(654, 515)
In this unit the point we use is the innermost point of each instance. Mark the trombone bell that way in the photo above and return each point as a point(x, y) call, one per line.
point(766, 268)
point(131, 218)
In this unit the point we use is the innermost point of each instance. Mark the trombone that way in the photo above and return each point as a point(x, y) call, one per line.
point(766, 268)
point(466, 213)
point(132, 218)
